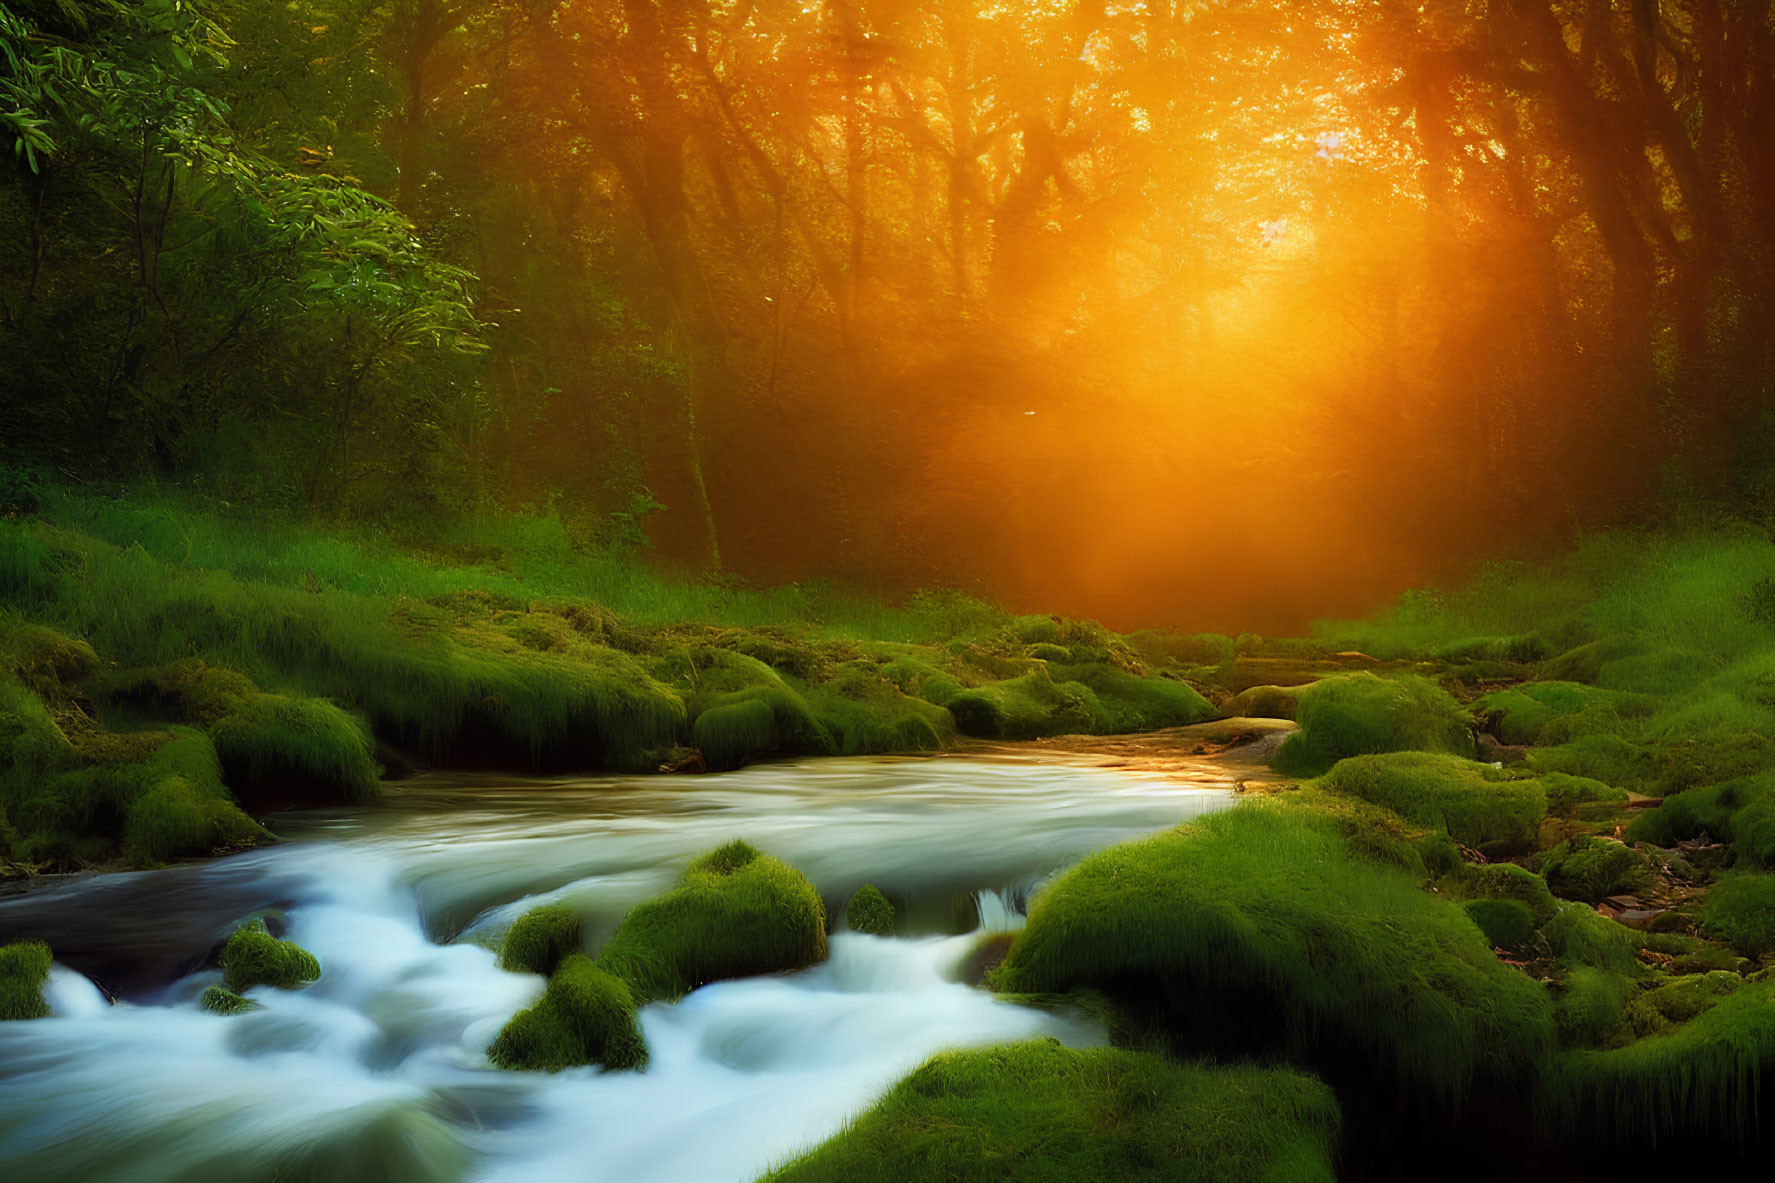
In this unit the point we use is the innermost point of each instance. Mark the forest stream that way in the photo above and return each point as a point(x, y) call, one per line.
point(378, 1070)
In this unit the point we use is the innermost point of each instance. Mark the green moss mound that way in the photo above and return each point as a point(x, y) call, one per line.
point(1507, 924)
point(24, 968)
point(1740, 911)
point(1740, 812)
point(587, 1016)
point(1703, 1079)
point(1028, 707)
point(1473, 803)
point(1266, 909)
point(1580, 936)
point(1591, 869)
point(223, 1001)
point(1670, 1004)
point(1554, 712)
point(265, 741)
point(1591, 1007)
point(539, 939)
point(1042, 1113)
point(1363, 713)
point(253, 957)
point(1507, 881)
point(869, 911)
point(737, 913)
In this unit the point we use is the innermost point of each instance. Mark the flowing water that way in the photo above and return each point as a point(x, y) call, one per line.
point(378, 1071)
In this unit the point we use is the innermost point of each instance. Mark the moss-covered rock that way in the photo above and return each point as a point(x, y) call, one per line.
point(1362, 713)
point(1042, 1113)
point(1670, 1004)
point(869, 911)
point(1266, 911)
point(736, 913)
point(24, 968)
point(1702, 1079)
point(586, 1016)
point(1741, 812)
point(1507, 881)
point(223, 1001)
point(1474, 803)
point(1591, 868)
point(1579, 935)
point(1740, 910)
point(253, 957)
point(265, 741)
point(1591, 1007)
point(539, 939)
point(1507, 924)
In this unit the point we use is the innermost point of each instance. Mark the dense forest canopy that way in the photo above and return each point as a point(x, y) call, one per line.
point(1169, 312)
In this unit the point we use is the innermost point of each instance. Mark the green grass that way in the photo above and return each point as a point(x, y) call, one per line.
point(1700, 1080)
point(253, 957)
point(736, 913)
point(24, 968)
point(869, 911)
point(1363, 713)
point(1267, 907)
point(586, 1016)
point(1475, 804)
point(1740, 910)
point(539, 939)
point(1042, 1113)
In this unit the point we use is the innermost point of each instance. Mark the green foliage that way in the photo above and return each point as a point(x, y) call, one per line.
point(1042, 1113)
point(539, 939)
point(587, 1016)
point(253, 957)
point(1591, 869)
point(1740, 910)
point(1474, 803)
point(24, 968)
point(736, 913)
point(1507, 924)
point(1268, 905)
point(1702, 1079)
point(1363, 713)
point(223, 1001)
point(869, 911)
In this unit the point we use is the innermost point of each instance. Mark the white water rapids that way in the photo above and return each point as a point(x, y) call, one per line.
point(378, 1071)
